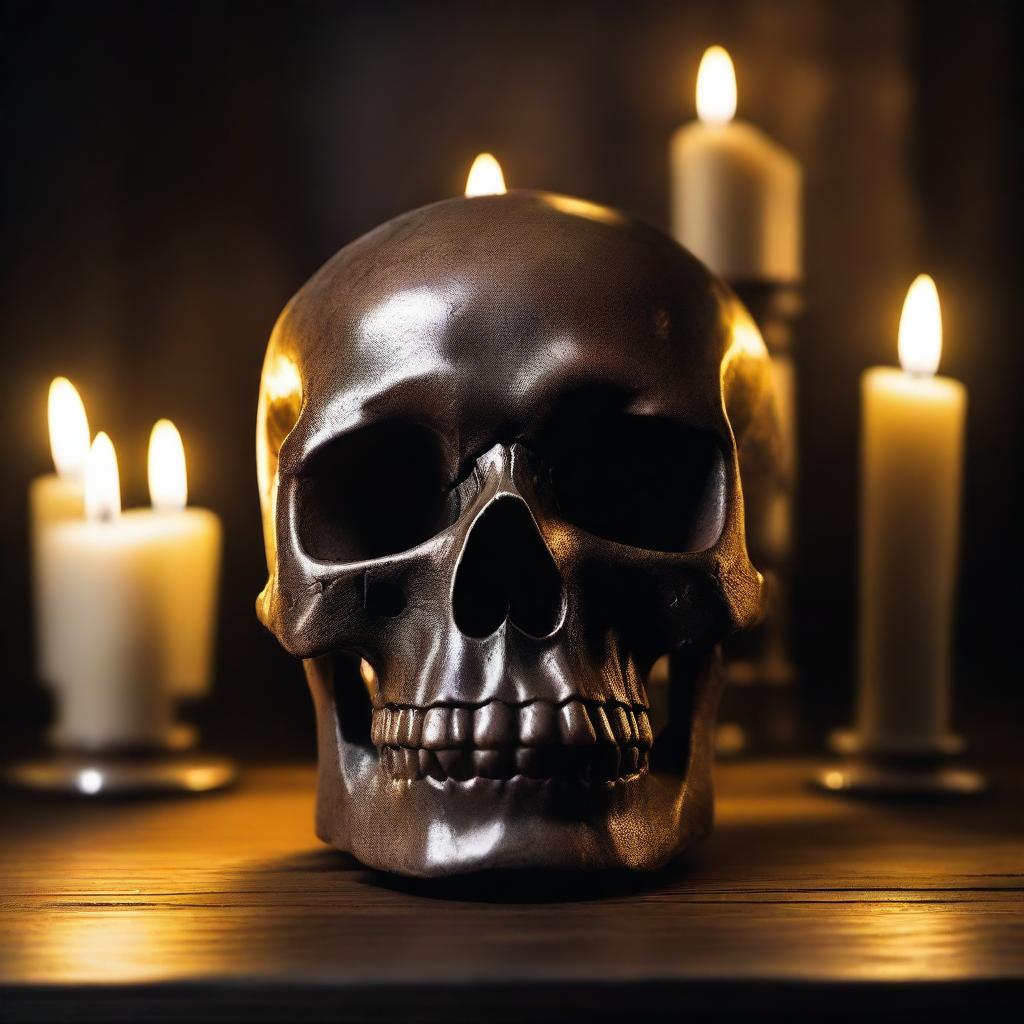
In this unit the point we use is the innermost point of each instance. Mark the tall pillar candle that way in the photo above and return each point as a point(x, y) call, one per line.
point(736, 204)
point(912, 454)
point(58, 496)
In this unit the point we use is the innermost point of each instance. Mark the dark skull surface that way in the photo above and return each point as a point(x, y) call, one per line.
point(500, 450)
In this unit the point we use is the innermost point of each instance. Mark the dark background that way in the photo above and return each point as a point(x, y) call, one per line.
point(171, 173)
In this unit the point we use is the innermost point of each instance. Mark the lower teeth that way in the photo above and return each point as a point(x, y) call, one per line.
point(601, 764)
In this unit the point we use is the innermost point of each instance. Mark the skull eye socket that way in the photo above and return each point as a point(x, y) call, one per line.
point(645, 481)
point(374, 492)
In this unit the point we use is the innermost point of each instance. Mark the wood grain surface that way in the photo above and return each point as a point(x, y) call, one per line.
point(227, 907)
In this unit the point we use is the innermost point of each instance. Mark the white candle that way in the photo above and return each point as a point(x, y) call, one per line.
point(735, 193)
point(57, 496)
point(188, 543)
point(96, 585)
point(134, 596)
point(912, 452)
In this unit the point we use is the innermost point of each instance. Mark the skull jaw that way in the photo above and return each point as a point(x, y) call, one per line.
point(427, 829)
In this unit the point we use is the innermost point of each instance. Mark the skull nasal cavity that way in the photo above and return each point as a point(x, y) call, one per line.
point(506, 572)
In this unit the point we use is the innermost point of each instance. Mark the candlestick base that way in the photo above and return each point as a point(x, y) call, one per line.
point(179, 736)
point(760, 713)
point(110, 775)
point(850, 743)
point(900, 768)
point(901, 781)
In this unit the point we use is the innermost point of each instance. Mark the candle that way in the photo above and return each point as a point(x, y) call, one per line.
point(95, 584)
point(735, 192)
point(736, 204)
point(59, 495)
point(485, 177)
point(912, 450)
point(188, 543)
point(134, 596)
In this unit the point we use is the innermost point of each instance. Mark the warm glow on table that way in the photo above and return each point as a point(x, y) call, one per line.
point(235, 899)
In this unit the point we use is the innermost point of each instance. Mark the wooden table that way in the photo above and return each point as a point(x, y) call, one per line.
point(227, 907)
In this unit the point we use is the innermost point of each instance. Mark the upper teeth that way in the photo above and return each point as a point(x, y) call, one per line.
point(489, 740)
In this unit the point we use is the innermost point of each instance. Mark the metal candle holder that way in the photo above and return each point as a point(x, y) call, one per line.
point(902, 770)
point(759, 711)
point(911, 465)
point(170, 766)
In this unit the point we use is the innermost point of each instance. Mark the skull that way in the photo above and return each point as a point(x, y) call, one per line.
point(500, 448)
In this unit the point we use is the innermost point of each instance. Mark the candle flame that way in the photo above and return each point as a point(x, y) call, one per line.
point(69, 429)
point(485, 177)
point(716, 87)
point(168, 478)
point(920, 337)
point(102, 483)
